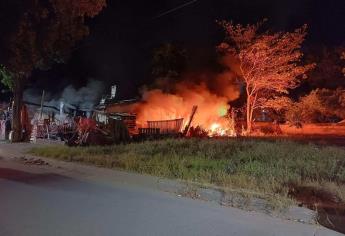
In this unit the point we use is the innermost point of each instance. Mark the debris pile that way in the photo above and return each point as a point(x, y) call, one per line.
point(34, 161)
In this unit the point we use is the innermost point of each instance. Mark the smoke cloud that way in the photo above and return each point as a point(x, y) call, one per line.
point(83, 98)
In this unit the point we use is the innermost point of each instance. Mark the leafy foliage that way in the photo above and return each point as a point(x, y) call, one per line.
point(307, 110)
point(320, 105)
point(47, 32)
point(168, 61)
point(6, 77)
point(279, 103)
point(328, 70)
point(343, 57)
point(268, 62)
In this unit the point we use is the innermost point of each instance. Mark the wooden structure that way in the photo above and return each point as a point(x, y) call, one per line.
point(149, 131)
point(166, 126)
point(129, 119)
point(194, 109)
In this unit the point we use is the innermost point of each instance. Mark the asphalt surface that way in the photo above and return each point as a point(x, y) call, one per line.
point(37, 201)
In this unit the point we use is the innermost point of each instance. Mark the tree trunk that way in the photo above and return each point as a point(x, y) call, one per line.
point(17, 105)
point(249, 114)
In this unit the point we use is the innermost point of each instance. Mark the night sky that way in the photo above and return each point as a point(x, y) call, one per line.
point(119, 48)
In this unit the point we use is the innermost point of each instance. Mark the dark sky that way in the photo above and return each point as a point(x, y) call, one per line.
point(119, 49)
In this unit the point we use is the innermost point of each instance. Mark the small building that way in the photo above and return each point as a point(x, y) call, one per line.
point(110, 108)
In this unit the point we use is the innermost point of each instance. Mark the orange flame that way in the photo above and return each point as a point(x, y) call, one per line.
point(211, 95)
point(158, 105)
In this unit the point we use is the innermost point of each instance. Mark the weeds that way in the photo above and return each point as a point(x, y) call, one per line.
point(266, 167)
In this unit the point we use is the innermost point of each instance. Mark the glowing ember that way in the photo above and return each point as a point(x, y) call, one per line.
point(217, 129)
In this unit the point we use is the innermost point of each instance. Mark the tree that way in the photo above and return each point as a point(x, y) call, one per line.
point(168, 63)
point(45, 33)
point(343, 57)
point(309, 109)
point(333, 102)
point(320, 105)
point(328, 70)
point(6, 77)
point(268, 63)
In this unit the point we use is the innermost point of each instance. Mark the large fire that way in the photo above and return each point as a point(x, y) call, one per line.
point(212, 110)
point(211, 94)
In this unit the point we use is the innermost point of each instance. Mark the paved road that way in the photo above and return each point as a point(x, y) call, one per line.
point(36, 202)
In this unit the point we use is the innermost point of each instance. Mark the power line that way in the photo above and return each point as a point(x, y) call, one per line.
point(174, 9)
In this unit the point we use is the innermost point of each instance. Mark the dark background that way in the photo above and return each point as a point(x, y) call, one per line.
point(123, 36)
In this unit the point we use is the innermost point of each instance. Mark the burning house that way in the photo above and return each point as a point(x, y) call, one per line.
point(126, 111)
point(160, 113)
point(111, 109)
point(157, 113)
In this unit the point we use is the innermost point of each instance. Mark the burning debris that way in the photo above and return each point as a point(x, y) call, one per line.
point(197, 103)
point(190, 107)
point(174, 101)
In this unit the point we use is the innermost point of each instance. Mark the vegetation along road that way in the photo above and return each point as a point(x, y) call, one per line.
point(72, 199)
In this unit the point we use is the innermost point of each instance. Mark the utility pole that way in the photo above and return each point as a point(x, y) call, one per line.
point(42, 101)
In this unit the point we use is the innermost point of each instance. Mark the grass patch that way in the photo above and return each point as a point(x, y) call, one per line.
point(263, 167)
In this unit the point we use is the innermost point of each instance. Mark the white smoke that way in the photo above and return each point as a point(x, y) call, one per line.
point(84, 98)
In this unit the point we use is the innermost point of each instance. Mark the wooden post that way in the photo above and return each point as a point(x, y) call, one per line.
point(42, 101)
point(194, 109)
